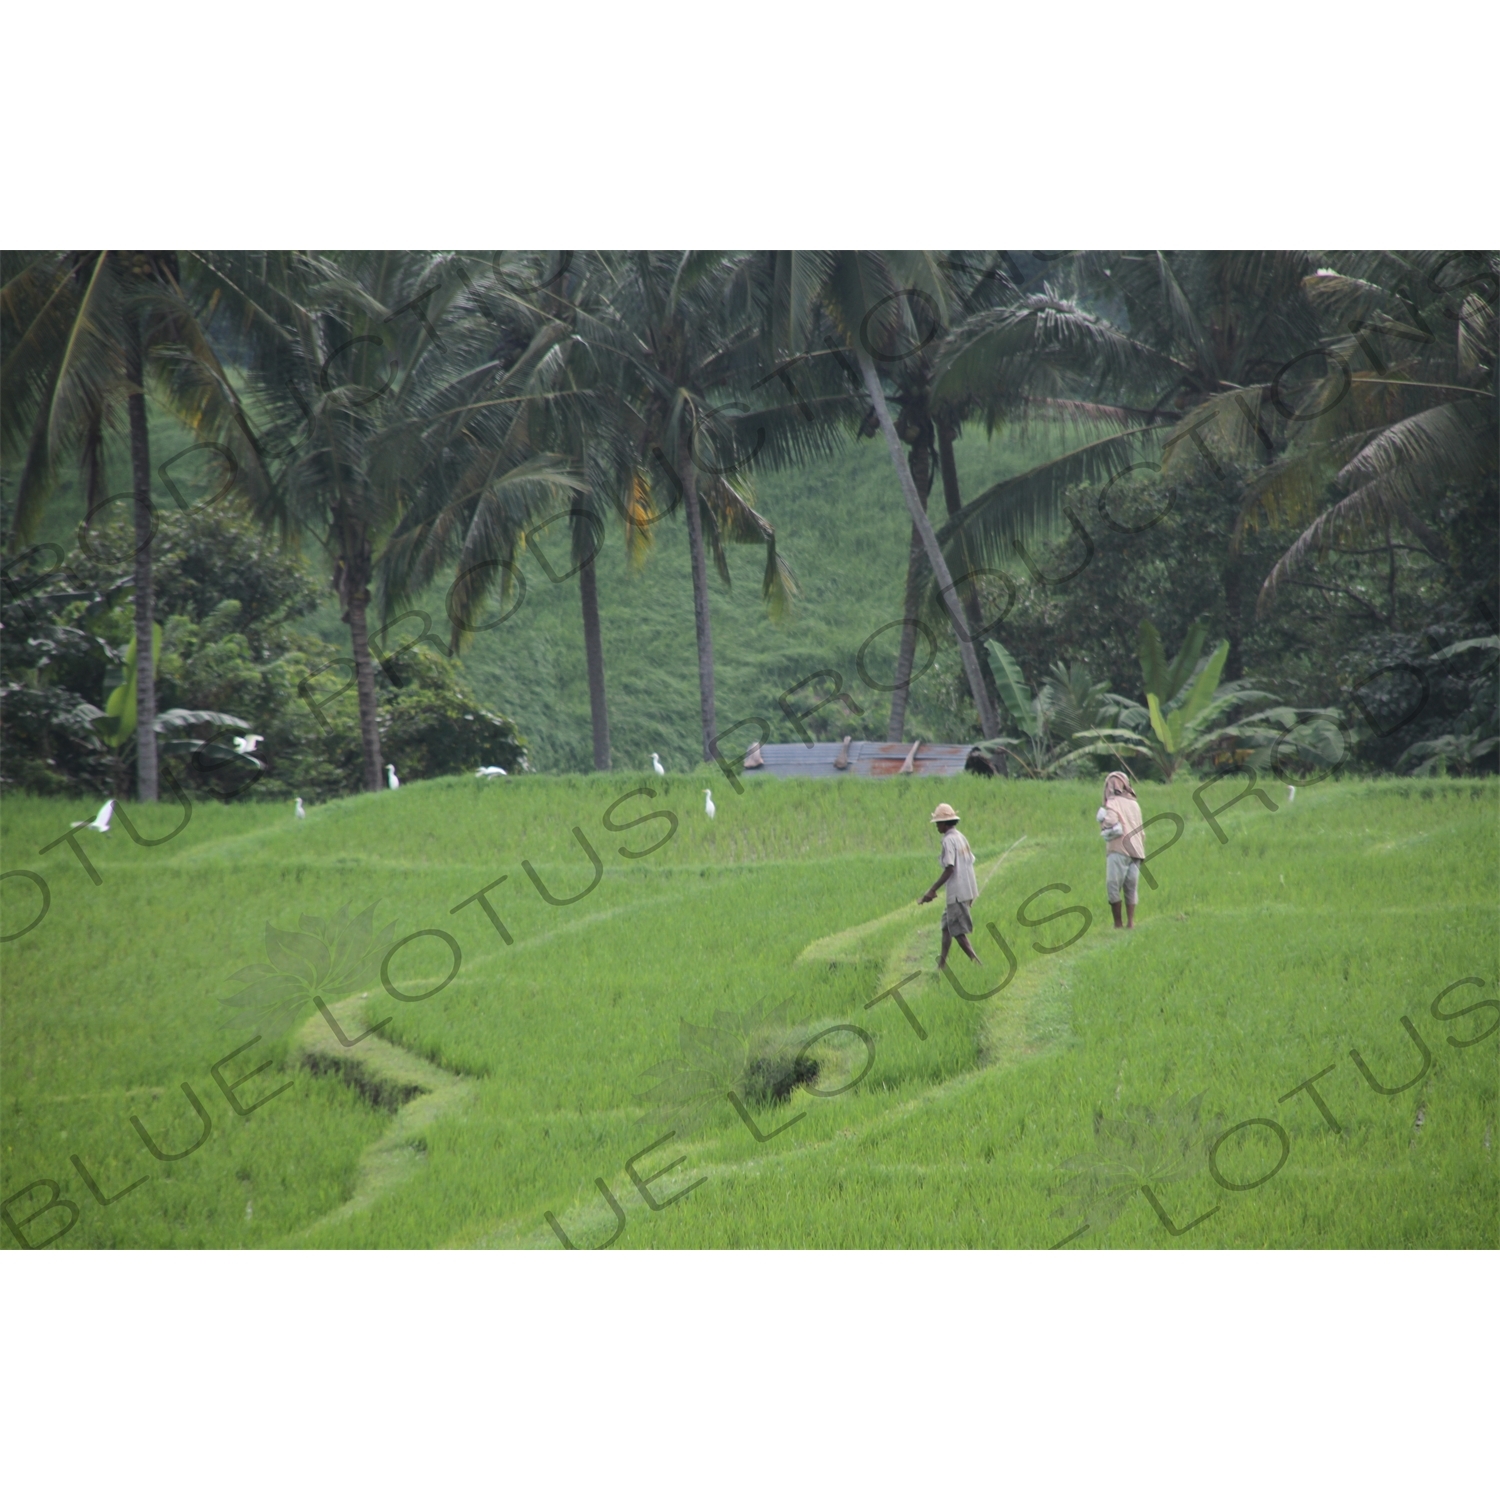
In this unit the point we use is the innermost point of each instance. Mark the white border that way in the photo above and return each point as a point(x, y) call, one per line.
point(1171, 124)
point(895, 1373)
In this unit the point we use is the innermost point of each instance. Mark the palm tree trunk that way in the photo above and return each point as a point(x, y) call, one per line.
point(700, 607)
point(921, 467)
point(953, 499)
point(949, 468)
point(364, 681)
point(901, 691)
point(146, 772)
point(966, 652)
point(593, 651)
point(351, 581)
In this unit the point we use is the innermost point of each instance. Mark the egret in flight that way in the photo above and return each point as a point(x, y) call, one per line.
point(101, 818)
point(490, 772)
point(246, 743)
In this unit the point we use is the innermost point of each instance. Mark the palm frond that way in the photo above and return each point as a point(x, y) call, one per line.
point(63, 392)
point(732, 518)
point(1012, 514)
point(1453, 441)
point(1000, 354)
point(864, 299)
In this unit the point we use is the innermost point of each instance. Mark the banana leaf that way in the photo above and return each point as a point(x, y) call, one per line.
point(1013, 690)
point(118, 723)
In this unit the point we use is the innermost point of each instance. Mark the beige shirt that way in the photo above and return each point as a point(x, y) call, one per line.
point(961, 884)
point(1126, 812)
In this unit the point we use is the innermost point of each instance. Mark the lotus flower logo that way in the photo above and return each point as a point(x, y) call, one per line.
point(325, 960)
point(1143, 1150)
point(753, 1053)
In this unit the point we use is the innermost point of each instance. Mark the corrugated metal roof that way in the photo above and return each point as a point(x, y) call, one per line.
point(865, 758)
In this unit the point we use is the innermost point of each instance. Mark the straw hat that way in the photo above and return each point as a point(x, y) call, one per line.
point(944, 814)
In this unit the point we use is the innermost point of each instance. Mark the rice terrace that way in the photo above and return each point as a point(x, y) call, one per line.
point(497, 744)
point(1275, 957)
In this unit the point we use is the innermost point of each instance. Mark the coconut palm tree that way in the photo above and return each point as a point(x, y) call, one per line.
point(85, 332)
point(346, 353)
point(673, 342)
point(1012, 352)
point(579, 373)
point(1193, 382)
point(877, 302)
point(1353, 387)
point(1015, 353)
point(575, 415)
point(929, 426)
point(1404, 406)
point(581, 426)
point(486, 456)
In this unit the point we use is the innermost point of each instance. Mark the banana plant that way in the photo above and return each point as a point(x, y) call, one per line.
point(1171, 725)
point(1165, 679)
point(1474, 736)
point(1181, 720)
point(191, 718)
point(1052, 717)
point(1278, 739)
point(117, 723)
point(116, 726)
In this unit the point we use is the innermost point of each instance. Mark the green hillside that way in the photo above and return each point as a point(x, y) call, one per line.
point(842, 525)
point(1097, 1078)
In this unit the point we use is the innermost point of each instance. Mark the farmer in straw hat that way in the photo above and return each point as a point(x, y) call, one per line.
point(958, 876)
point(1120, 825)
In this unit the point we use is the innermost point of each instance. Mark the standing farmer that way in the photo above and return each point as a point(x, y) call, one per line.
point(958, 876)
point(1120, 823)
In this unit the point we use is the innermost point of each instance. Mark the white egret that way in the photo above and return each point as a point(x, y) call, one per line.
point(708, 804)
point(490, 772)
point(101, 818)
point(656, 764)
point(246, 743)
point(392, 780)
point(1291, 794)
point(301, 811)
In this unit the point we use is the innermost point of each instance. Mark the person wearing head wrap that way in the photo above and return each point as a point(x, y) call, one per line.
point(1120, 820)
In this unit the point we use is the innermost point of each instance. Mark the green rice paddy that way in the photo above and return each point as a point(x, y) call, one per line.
point(1106, 1083)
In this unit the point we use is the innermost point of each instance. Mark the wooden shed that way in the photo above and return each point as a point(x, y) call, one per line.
point(866, 758)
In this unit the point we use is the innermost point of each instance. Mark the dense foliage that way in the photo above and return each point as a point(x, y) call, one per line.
point(1363, 628)
point(229, 647)
point(1287, 458)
